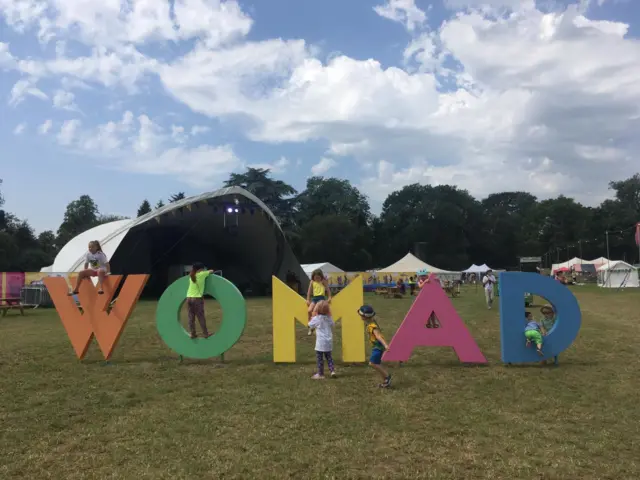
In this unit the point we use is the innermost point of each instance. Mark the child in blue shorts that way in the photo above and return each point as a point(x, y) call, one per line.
point(378, 343)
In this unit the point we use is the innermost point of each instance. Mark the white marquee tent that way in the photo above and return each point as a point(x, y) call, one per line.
point(326, 267)
point(411, 264)
point(478, 268)
point(618, 274)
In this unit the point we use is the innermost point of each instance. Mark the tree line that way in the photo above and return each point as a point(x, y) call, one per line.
point(331, 221)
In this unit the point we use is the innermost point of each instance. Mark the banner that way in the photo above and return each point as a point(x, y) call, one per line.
point(638, 234)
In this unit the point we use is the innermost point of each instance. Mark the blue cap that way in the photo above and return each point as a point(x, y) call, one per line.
point(366, 311)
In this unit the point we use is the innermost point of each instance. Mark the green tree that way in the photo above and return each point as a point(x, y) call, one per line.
point(80, 215)
point(160, 204)
point(509, 228)
point(344, 212)
point(144, 208)
point(176, 197)
point(47, 242)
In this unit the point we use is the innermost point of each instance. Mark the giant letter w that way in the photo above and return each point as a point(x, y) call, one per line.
point(94, 318)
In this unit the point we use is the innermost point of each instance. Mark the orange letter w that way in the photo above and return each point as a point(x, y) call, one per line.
point(94, 320)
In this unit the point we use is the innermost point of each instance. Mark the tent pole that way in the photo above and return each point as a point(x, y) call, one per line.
point(608, 259)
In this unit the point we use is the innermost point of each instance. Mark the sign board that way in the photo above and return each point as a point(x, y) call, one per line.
point(530, 259)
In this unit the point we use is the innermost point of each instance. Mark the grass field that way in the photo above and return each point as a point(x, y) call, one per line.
point(146, 416)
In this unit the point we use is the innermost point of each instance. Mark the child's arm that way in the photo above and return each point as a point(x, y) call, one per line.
point(327, 290)
point(315, 321)
point(380, 338)
point(309, 292)
point(107, 266)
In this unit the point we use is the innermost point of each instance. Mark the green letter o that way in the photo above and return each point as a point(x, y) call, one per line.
point(234, 318)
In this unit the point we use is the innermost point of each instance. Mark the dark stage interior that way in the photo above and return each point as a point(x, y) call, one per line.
point(247, 246)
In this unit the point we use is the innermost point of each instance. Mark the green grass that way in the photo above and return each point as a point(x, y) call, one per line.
point(146, 416)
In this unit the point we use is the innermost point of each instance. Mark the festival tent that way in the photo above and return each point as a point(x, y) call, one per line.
point(411, 263)
point(485, 267)
point(618, 274)
point(229, 230)
point(567, 265)
point(326, 267)
point(597, 262)
point(475, 269)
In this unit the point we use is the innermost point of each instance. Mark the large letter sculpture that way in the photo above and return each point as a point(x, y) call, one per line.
point(234, 318)
point(512, 320)
point(288, 307)
point(452, 332)
point(94, 319)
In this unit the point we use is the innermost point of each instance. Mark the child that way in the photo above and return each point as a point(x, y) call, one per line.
point(195, 299)
point(318, 291)
point(95, 265)
point(323, 324)
point(548, 321)
point(378, 343)
point(423, 279)
point(549, 318)
point(533, 333)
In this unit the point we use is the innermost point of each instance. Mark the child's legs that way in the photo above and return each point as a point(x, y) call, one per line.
point(191, 312)
point(81, 276)
point(329, 358)
point(199, 311)
point(375, 360)
point(102, 273)
point(320, 362)
point(312, 305)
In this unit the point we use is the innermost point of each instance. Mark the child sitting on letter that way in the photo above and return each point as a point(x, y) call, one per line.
point(533, 332)
point(323, 325)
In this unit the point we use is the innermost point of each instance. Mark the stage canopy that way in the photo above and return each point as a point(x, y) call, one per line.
point(228, 230)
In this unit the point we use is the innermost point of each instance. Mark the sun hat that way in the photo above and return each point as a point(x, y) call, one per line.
point(366, 311)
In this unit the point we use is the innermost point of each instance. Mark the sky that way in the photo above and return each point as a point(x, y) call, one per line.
point(132, 99)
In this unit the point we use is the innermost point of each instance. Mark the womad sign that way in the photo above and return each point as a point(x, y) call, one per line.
point(95, 317)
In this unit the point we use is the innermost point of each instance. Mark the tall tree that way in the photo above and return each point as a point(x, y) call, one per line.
point(275, 194)
point(510, 229)
point(628, 193)
point(144, 208)
point(176, 197)
point(344, 212)
point(160, 204)
point(332, 196)
point(79, 216)
point(47, 241)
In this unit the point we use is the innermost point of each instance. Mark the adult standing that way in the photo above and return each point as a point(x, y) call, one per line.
point(488, 281)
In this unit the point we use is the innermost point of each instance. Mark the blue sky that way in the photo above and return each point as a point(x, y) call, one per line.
point(141, 99)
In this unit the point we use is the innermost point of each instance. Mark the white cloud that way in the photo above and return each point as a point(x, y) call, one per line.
point(67, 134)
point(323, 166)
point(199, 129)
point(140, 145)
point(24, 88)
point(177, 133)
point(402, 11)
point(20, 128)
point(65, 101)
point(278, 166)
point(45, 127)
point(501, 95)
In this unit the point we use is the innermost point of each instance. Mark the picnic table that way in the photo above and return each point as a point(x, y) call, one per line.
point(7, 304)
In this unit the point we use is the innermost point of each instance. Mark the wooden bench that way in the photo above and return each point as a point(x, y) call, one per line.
point(7, 304)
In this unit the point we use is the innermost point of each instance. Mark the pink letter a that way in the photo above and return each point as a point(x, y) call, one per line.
point(452, 332)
